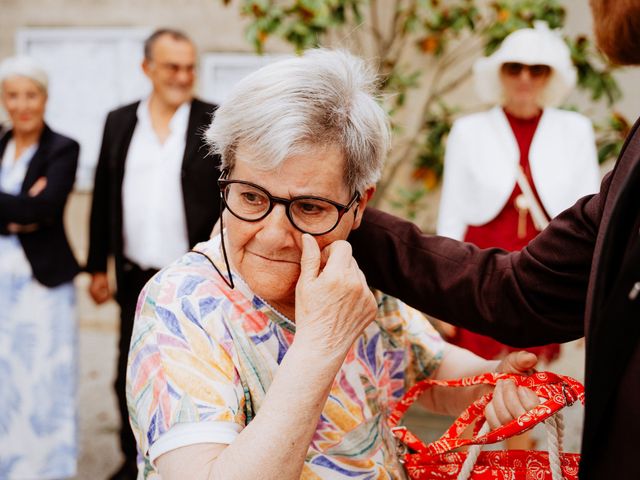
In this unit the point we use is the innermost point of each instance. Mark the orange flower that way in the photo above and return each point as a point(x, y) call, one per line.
point(426, 175)
point(419, 173)
point(503, 15)
point(262, 36)
point(257, 11)
point(430, 179)
point(306, 14)
point(429, 44)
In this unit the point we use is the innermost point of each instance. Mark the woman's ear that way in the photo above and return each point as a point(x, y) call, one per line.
point(362, 204)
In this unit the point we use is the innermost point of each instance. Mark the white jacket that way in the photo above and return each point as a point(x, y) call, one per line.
point(481, 166)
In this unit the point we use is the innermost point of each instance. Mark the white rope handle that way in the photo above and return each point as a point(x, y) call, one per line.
point(555, 432)
point(472, 455)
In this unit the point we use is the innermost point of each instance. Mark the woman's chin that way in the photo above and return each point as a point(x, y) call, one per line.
point(273, 288)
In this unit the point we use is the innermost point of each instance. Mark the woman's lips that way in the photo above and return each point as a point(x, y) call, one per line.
point(280, 260)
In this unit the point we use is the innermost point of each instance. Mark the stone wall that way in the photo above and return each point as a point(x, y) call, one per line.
point(214, 28)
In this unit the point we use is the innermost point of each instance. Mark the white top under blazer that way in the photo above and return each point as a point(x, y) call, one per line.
point(481, 166)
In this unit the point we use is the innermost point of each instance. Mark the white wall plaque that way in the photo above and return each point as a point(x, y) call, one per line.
point(91, 71)
point(219, 72)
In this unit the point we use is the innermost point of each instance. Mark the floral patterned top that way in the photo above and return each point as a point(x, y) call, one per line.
point(203, 356)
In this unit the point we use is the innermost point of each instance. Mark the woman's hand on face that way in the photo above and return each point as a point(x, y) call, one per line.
point(333, 304)
point(510, 401)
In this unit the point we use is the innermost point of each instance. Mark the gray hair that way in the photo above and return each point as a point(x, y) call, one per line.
point(325, 97)
point(162, 32)
point(22, 66)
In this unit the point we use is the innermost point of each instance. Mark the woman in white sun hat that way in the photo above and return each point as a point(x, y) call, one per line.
point(510, 169)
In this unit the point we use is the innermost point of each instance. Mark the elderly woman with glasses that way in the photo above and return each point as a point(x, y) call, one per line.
point(263, 353)
point(512, 168)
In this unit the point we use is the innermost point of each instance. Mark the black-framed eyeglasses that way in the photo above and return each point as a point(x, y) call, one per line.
point(308, 214)
point(514, 69)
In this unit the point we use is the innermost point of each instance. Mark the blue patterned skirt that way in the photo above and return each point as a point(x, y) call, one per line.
point(38, 372)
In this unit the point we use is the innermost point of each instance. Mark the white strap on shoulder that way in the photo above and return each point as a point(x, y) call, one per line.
point(540, 220)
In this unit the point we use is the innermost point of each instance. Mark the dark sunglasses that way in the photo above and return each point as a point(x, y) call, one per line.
point(514, 69)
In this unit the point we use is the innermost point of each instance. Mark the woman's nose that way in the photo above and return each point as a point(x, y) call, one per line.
point(525, 75)
point(277, 228)
point(20, 103)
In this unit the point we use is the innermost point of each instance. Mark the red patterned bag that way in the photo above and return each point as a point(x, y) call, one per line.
point(437, 460)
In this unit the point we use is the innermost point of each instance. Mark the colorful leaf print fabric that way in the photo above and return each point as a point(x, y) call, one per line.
point(203, 356)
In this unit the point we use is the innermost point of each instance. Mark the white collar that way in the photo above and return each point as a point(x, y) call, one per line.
point(178, 122)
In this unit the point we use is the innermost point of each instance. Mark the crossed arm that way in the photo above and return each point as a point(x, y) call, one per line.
point(47, 196)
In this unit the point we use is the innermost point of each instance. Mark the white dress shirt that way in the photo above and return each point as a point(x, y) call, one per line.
point(154, 223)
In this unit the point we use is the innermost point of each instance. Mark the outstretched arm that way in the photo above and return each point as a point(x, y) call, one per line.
point(533, 297)
point(509, 401)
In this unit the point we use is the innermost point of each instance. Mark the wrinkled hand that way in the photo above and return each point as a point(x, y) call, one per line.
point(99, 288)
point(333, 304)
point(510, 401)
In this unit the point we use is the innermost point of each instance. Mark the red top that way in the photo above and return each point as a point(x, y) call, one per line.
point(502, 232)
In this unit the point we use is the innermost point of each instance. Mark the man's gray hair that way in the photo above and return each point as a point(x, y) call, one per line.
point(322, 98)
point(172, 33)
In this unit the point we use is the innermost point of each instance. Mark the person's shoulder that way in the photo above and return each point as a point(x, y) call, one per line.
point(59, 140)
point(568, 117)
point(472, 120)
point(201, 107)
point(192, 275)
point(124, 110)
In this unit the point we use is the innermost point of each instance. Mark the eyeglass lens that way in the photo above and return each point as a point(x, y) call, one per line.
point(514, 69)
point(310, 215)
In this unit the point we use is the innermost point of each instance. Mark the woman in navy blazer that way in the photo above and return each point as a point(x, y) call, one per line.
point(37, 220)
point(38, 347)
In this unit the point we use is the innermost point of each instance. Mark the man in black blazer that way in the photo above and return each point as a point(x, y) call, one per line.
point(155, 192)
point(580, 276)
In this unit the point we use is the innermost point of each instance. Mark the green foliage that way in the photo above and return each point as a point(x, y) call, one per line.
point(437, 125)
point(446, 33)
point(598, 81)
point(508, 16)
point(409, 201)
point(611, 135)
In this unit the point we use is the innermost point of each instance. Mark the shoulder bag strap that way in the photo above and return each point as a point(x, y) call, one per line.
point(540, 218)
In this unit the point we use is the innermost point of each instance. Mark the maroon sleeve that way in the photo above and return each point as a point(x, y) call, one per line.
point(533, 297)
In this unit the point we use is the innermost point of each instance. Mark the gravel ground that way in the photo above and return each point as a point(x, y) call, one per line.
point(98, 415)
